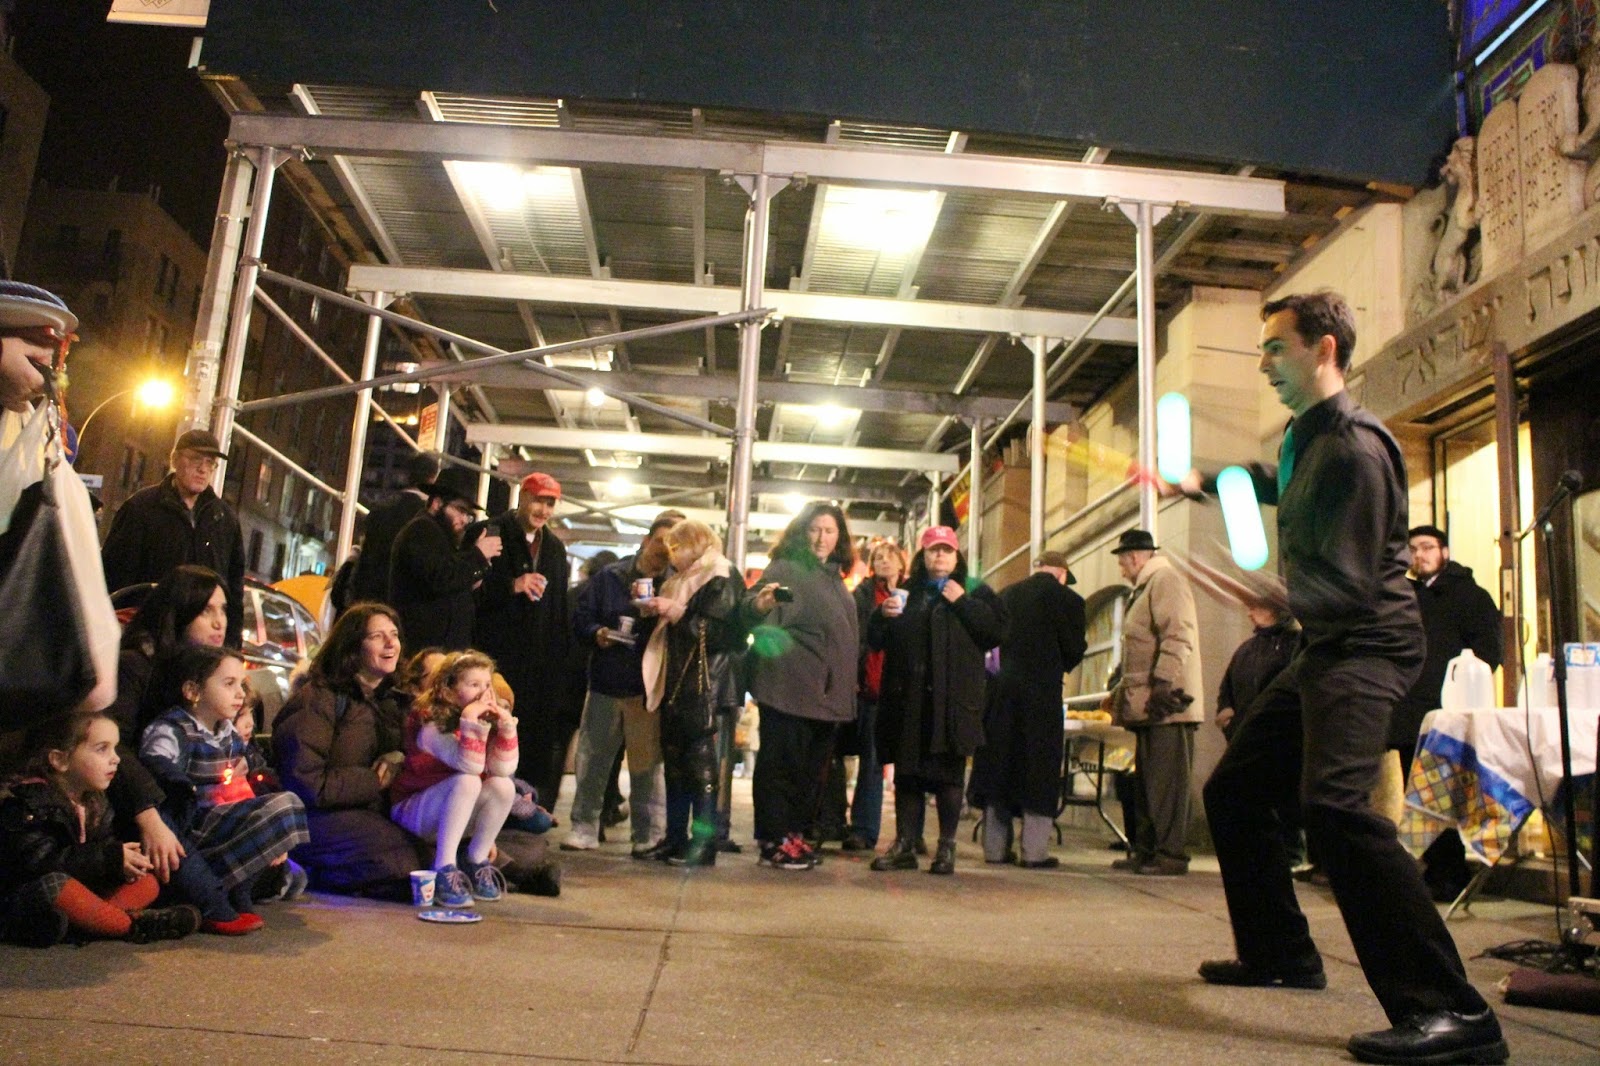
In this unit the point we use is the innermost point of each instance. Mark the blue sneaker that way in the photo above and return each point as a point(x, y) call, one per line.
point(451, 887)
point(488, 884)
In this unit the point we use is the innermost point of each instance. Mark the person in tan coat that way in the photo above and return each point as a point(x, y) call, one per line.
point(1154, 696)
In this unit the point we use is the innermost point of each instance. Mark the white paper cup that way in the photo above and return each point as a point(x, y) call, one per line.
point(901, 595)
point(422, 887)
point(625, 625)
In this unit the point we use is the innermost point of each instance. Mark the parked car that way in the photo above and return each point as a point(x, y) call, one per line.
point(278, 633)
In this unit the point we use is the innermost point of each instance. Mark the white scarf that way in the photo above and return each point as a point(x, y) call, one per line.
point(679, 588)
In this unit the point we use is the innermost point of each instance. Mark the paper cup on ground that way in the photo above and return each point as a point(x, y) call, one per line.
point(422, 888)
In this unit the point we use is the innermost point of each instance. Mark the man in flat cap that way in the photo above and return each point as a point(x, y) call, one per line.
point(180, 520)
point(523, 622)
point(1018, 770)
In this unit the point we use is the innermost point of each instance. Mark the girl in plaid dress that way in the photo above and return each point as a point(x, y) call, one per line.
point(196, 754)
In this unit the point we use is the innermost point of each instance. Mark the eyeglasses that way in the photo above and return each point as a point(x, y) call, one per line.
point(44, 337)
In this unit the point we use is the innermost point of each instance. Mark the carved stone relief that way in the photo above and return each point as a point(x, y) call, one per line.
point(1552, 184)
point(1499, 189)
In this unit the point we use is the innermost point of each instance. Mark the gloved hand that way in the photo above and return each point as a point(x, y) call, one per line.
point(1165, 701)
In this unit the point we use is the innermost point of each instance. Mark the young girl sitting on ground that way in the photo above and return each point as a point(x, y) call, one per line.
point(460, 754)
point(196, 754)
point(62, 870)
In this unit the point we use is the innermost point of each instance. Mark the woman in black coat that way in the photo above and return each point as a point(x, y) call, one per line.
point(930, 718)
point(689, 679)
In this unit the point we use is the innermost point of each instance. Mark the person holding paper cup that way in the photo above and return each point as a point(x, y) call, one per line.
point(930, 720)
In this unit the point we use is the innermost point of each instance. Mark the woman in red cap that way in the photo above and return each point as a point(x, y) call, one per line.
point(930, 714)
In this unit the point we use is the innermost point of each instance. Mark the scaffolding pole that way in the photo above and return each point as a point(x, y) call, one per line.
point(211, 321)
point(499, 356)
point(226, 402)
point(975, 500)
point(294, 467)
point(358, 436)
point(1036, 442)
point(744, 417)
point(1145, 216)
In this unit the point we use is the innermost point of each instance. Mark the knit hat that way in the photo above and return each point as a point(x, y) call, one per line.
point(24, 305)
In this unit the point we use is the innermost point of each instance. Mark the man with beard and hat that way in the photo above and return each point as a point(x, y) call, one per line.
point(432, 575)
point(522, 622)
point(1456, 614)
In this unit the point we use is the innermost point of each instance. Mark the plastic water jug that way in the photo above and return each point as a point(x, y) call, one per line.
point(1541, 683)
point(1468, 684)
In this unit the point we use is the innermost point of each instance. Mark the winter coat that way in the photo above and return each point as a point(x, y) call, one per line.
point(615, 670)
point(431, 582)
point(1456, 614)
point(1160, 651)
point(39, 835)
point(325, 742)
point(528, 639)
point(1254, 664)
point(698, 686)
point(1019, 765)
point(933, 677)
point(153, 532)
point(384, 523)
point(803, 659)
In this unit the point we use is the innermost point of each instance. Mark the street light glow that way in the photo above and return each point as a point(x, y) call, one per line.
point(157, 392)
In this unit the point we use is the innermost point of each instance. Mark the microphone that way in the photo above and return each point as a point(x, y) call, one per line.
point(1570, 482)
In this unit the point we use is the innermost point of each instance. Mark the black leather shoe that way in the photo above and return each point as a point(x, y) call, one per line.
point(660, 851)
point(1234, 972)
point(900, 856)
point(944, 859)
point(1435, 1037)
point(1049, 862)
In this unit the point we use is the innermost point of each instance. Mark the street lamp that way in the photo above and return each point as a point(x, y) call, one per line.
point(154, 393)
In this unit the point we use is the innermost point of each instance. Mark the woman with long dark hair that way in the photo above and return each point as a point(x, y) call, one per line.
point(188, 606)
point(930, 718)
point(802, 672)
point(332, 746)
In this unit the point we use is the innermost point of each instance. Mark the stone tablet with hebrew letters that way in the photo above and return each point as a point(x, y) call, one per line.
point(1552, 184)
point(1499, 189)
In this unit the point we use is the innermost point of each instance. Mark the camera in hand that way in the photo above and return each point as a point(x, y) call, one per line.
point(783, 594)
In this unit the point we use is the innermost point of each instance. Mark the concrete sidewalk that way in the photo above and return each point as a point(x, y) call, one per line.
point(641, 963)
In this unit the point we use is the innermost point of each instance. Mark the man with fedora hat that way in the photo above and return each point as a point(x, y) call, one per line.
point(523, 622)
point(1154, 697)
point(180, 520)
point(432, 576)
point(1018, 769)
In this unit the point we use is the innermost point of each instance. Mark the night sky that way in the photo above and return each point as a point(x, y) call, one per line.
point(125, 105)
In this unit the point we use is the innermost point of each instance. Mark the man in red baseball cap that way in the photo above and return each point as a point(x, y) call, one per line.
point(522, 621)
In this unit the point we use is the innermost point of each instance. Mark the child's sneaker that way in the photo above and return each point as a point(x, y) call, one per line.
point(451, 887)
point(163, 923)
point(488, 883)
point(246, 922)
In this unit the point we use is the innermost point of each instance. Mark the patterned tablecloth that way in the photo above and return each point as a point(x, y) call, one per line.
point(1484, 772)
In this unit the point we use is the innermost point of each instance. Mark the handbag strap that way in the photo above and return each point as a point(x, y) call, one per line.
point(705, 667)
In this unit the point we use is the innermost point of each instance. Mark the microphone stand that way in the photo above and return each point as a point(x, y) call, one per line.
point(1572, 952)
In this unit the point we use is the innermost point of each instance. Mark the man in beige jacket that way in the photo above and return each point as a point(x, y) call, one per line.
point(1154, 697)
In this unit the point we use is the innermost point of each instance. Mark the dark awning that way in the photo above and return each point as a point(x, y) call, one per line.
point(1359, 89)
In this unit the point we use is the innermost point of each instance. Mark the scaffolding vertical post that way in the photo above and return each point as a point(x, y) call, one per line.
point(485, 465)
point(934, 498)
point(211, 321)
point(358, 434)
point(752, 292)
point(244, 297)
point(1145, 216)
point(1036, 442)
point(441, 423)
point(975, 501)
